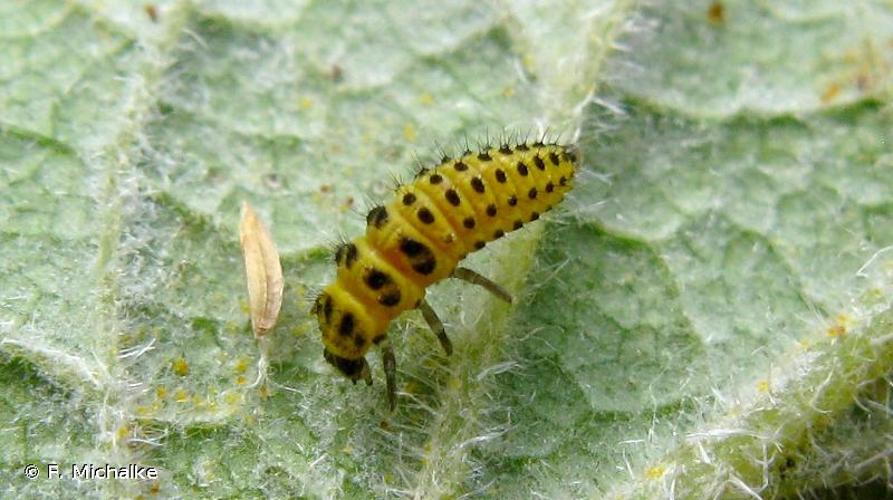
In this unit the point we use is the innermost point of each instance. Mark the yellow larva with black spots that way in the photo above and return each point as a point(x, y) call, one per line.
point(419, 237)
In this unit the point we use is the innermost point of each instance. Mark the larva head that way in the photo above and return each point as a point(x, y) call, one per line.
point(346, 331)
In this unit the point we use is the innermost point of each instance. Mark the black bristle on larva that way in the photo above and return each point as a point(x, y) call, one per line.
point(377, 217)
point(346, 254)
point(505, 149)
point(539, 162)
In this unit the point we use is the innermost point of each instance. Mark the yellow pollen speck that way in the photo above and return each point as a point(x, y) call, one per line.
point(508, 91)
point(240, 380)
point(123, 432)
point(836, 331)
point(763, 386)
point(161, 392)
point(842, 324)
point(306, 103)
point(844, 320)
point(241, 366)
point(181, 396)
point(830, 93)
point(180, 367)
point(655, 472)
point(426, 99)
point(409, 132)
point(232, 398)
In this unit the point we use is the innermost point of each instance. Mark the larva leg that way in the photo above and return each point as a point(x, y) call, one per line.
point(436, 326)
point(390, 372)
point(474, 278)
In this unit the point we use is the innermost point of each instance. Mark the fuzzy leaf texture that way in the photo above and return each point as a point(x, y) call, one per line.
point(709, 313)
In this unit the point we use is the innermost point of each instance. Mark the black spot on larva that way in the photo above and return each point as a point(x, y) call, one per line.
point(435, 179)
point(522, 147)
point(389, 299)
point(480, 244)
point(420, 256)
point(500, 175)
point(522, 169)
point(421, 173)
point(534, 216)
point(408, 199)
point(505, 149)
point(517, 224)
point(452, 196)
point(346, 326)
point(460, 167)
point(426, 266)
point(484, 156)
point(378, 339)
point(478, 184)
point(513, 200)
point(538, 144)
point(466, 152)
point(425, 215)
point(553, 158)
point(539, 162)
point(491, 210)
point(411, 247)
point(445, 159)
point(377, 279)
point(468, 222)
point(377, 217)
point(562, 181)
point(532, 193)
point(550, 187)
point(359, 340)
point(346, 254)
point(498, 234)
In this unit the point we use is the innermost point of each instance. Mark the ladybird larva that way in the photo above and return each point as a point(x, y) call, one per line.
point(420, 235)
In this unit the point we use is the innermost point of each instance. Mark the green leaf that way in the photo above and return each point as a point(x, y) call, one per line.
point(708, 314)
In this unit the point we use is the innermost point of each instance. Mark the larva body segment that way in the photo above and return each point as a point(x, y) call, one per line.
point(421, 234)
